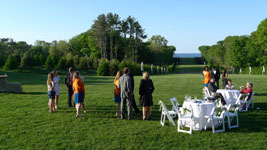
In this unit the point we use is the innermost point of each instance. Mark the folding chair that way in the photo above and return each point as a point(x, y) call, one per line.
point(244, 104)
point(251, 101)
point(165, 113)
point(175, 105)
point(216, 118)
point(185, 118)
point(231, 115)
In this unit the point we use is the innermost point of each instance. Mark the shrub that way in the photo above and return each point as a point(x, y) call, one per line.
point(62, 63)
point(103, 68)
point(26, 61)
point(70, 62)
point(11, 63)
point(135, 68)
point(113, 67)
point(83, 63)
point(48, 63)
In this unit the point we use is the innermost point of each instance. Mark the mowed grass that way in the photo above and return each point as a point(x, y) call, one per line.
point(25, 122)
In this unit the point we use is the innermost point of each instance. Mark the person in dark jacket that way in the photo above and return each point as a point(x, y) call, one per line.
point(133, 99)
point(126, 94)
point(211, 86)
point(145, 91)
point(215, 73)
point(69, 84)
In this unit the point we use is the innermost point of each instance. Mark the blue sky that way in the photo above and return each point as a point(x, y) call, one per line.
point(185, 24)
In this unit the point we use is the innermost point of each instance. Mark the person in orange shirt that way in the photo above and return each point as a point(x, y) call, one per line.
point(79, 92)
point(206, 74)
point(117, 91)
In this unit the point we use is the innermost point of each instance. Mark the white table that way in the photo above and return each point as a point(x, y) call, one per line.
point(230, 96)
point(199, 110)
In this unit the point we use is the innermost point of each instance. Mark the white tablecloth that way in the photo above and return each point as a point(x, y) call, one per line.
point(230, 96)
point(199, 110)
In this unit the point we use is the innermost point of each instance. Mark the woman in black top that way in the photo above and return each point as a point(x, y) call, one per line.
point(145, 91)
point(224, 78)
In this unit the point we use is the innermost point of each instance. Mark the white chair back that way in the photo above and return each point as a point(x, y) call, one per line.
point(165, 113)
point(175, 105)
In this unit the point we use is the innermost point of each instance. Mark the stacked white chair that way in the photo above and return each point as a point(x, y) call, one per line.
point(216, 119)
point(165, 113)
point(185, 118)
point(231, 115)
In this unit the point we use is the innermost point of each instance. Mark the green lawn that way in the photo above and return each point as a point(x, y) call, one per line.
point(189, 68)
point(25, 122)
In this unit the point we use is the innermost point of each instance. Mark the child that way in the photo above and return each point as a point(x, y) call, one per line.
point(79, 92)
point(117, 97)
point(51, 92)
point(56, 82)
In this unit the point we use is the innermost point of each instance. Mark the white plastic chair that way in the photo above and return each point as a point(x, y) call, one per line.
point(175, 105)
point(185, 118)
point(231, 115)
point(167, 113)
point(216, 119)
point(244, 104)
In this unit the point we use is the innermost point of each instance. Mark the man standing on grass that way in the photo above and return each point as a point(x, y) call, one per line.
point(126, 94)
point(69, 83)
point(215, 73)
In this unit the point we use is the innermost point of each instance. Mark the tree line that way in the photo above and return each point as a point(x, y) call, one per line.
point(239, 51)
point(108, 38)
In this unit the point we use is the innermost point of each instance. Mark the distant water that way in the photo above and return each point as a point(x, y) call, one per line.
point(186, 55)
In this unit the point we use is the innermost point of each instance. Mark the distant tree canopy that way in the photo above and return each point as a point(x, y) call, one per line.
point(239, 51)
point(109, 38)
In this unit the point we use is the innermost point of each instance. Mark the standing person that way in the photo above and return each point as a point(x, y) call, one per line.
point(56, 81)
point(51, 92)
point(263, 70)
point(240, 71)
point(79, 92)
point(126, 94)
point(206, 74)
point(82, 104)
point(117, 92)
point(215, 73)
point(69, 83)
point(249, 70)
point(133, 99)
point(224, 78)
point(145, 91)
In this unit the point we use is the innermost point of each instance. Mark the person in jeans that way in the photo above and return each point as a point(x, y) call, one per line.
point(126, 94)
point(69, 83)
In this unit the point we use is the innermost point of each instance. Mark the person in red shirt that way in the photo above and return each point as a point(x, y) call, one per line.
point(247, 90)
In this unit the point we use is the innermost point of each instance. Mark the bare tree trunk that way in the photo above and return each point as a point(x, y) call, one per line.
point(111, 45)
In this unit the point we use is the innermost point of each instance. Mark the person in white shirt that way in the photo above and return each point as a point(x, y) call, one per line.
point(263, 70)
point(229, 85)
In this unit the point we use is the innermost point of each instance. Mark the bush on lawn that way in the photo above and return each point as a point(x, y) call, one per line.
point(103, 68)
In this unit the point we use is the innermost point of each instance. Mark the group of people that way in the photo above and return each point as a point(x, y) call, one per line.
point(75, 88)
point(124, 94)
point(212, 77)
